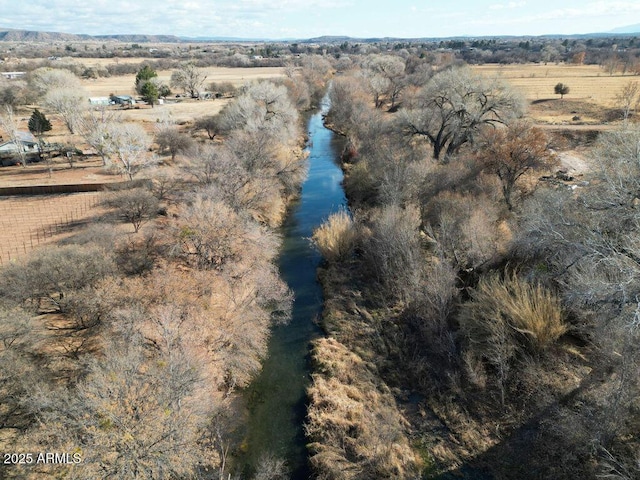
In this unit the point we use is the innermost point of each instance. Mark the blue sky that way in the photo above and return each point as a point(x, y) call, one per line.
point(309, 18)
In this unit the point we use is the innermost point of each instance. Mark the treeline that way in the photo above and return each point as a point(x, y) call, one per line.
point(492, 314)
point(123, 345)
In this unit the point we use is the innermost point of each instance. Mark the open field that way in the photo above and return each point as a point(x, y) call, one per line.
point(536, 81)
point(123, 84)
point(181, 111)
point(590, 101)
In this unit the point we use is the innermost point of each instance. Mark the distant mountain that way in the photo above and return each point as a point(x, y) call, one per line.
point(16, 35)
point(9, 35)
point(329, 39)
point(12, 35)
point(628, 29)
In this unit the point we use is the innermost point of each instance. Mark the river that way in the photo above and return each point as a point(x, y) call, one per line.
point(277, 399)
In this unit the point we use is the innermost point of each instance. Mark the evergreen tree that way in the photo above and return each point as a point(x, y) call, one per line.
point(149, 92)
point(145, 74)
point(38, 123)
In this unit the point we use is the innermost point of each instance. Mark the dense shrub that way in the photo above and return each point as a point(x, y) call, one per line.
point(336, 237)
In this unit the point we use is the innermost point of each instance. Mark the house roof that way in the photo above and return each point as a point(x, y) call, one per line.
point(26, 137)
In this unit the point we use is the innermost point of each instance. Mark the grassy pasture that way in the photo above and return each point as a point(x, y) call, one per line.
point(590, 101)
point(536, 81)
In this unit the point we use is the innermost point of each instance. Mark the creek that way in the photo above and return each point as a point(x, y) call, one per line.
point(277, 397)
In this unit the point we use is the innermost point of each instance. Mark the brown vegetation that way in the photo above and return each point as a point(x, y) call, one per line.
point(145, 332)
point(509, 316)
point(353, 423)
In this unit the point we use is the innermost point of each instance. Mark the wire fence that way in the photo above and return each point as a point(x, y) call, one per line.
point(28, 222)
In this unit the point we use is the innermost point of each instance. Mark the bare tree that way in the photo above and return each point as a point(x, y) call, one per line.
point(18, 336)
point(386, 80)
point(393, 252)
point(628, 98)
point(9, 124)
point(169, 138)
point(42, 80)
point(209, 124)
point(263, 107)
point(452, 107)
point(69, 103)
point(189, 78)
point(51, 274)
point(96, 128)
point(131, 145)
point(135, 206)
point(134, 415)
point(212, 234)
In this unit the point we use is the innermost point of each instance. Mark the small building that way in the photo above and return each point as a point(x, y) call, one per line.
point(25, 142)
point(97, 101)
point(123, 99)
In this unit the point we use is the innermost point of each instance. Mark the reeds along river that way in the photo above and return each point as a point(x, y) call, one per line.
point(277, 397)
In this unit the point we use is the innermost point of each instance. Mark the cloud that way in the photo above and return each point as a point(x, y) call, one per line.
point(191, 17)
point(507, 6)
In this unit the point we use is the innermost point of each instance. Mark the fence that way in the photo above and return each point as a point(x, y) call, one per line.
point(29, 221)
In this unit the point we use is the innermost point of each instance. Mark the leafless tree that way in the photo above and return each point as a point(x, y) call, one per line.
point(134, 415)
point(130, 145)
point(189, 78)
point(629, 98)
point(53, 273)
point(69, 103)
point(512, 152)
point(393, 252)
point(18, 337)
point(169, 138)
point(385, 77)
point(209, 124)
point(96, 128)
point(263, 107)
point(9, 123)
point(42, 80)
point(135, 206)
point(454, 104)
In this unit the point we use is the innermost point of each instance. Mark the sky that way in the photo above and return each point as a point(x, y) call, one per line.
point(276, 19)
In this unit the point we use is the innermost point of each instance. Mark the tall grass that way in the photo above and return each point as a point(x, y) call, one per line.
point(530, 315)
point(336, 237)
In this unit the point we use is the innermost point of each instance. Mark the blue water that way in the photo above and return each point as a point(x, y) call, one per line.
point(277, 397)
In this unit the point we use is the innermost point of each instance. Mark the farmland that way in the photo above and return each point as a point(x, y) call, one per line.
point(592, 91)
